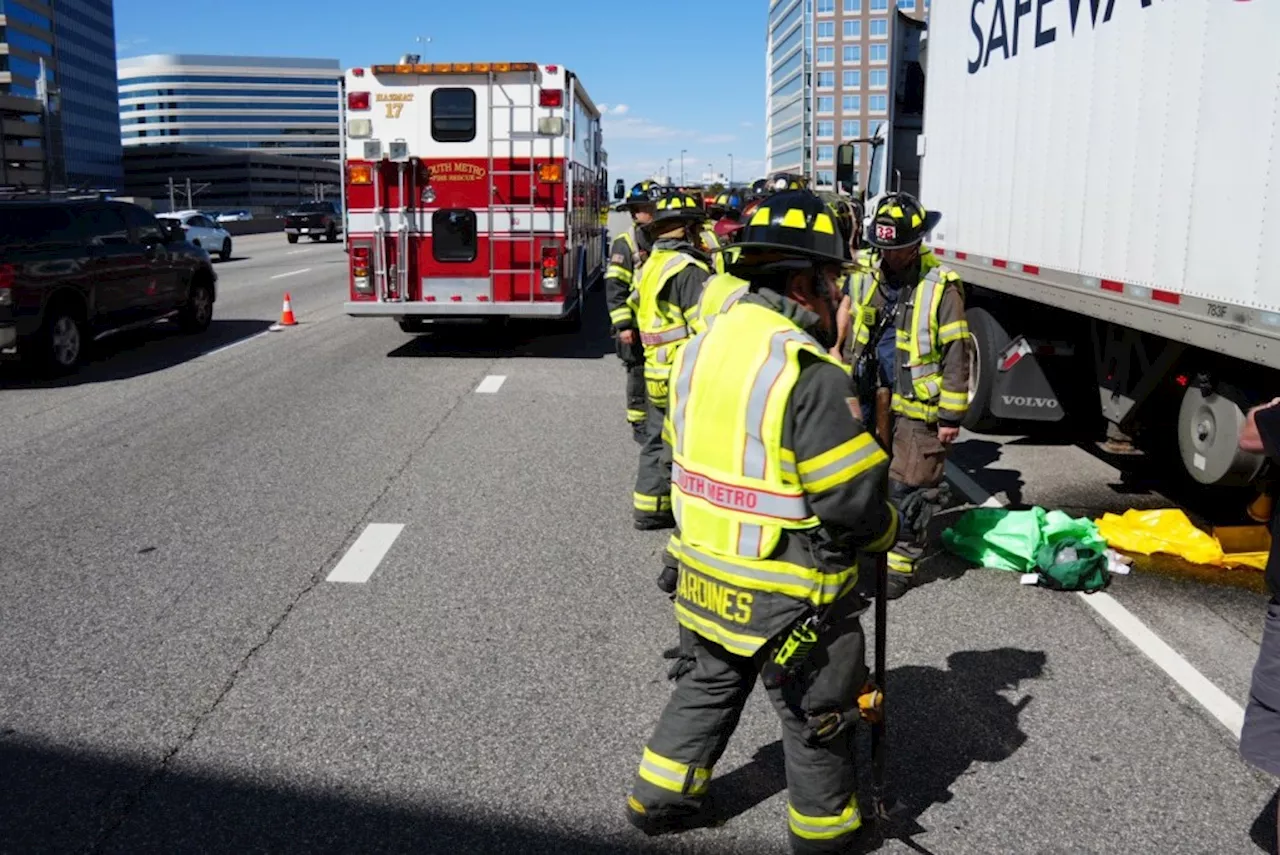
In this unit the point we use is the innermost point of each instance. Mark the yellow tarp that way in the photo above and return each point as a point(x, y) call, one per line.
point(1168, 531)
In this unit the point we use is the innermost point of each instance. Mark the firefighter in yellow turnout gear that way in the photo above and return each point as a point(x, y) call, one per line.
point(776, 488)
point(626, 259)
point(666, 294)
point(902, 294)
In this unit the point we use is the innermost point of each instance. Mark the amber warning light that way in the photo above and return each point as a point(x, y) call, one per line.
point(454, 67)
point(359, 173)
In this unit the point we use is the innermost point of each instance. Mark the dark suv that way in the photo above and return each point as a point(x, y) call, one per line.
point(73, 272)
point(315, 220)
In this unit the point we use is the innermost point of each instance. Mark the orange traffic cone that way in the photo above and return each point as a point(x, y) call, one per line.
point(286, 315)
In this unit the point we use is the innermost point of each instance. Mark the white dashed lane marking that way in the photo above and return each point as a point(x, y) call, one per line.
point(366, 553)
point(491, 384)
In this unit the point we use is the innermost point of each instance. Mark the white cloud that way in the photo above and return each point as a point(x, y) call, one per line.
point(604, 108)
point(712, 139)
point(748, 125)
point(620, 109)
point(638, 129)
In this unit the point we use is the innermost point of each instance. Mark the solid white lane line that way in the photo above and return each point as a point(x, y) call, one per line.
point(236, 343)
point(297, 251)
point(292, 273)
point(1217, 702)
point(366, 553)
point(491, 384)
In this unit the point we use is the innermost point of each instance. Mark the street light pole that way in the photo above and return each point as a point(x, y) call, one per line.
point(668, 172)
point(682, 154)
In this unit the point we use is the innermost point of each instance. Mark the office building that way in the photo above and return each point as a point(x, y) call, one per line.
point(221, 179)
point(72, 44)
point(274, 105)
point(827, 79)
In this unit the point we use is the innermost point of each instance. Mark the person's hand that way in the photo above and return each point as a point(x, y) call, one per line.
point(835, 354)
point(627, 337)
point(947, 435)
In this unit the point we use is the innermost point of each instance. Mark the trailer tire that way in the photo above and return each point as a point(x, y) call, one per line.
point(987, 336)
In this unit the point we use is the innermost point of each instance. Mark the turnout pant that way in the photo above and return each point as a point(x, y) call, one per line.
point(632, 356)
point(918, 461)
point(704, 710)
point(652, 496)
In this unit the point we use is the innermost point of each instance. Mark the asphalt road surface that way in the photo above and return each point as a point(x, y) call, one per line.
point(179, 672)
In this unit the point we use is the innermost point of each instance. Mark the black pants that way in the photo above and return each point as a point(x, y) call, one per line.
point(632, 356)
point(704, 710)
point(652, 496)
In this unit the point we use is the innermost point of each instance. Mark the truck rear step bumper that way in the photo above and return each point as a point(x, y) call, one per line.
point(470, 309)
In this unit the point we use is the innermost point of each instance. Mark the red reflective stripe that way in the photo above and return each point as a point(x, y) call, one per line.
point(962, 255)
point(939, 251)
point(1031, 268)
point(999, 262)
point(1166, 297)
point(1112, 285)
point(725, 495)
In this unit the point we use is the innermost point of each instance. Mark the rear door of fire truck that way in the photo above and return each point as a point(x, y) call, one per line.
point(456, 185)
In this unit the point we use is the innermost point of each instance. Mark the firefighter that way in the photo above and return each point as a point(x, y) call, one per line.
point(902, 289)
point(667, 292)
point(777, 486)
point(626, 257)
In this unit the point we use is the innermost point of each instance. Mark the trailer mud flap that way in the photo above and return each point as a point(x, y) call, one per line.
point(1021, 390)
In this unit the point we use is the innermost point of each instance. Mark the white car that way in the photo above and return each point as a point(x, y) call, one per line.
point(202, 231)
point(235, 217)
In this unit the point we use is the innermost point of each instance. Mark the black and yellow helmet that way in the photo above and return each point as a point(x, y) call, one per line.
point(795, 223)
point(900, 221)
point(728, 203)
point(675, 206)
point(781, 182)
point(643, 193)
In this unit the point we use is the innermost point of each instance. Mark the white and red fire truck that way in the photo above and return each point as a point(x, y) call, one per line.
point(472, 190)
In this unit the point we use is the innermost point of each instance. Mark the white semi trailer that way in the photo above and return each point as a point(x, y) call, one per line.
point(1108, 172)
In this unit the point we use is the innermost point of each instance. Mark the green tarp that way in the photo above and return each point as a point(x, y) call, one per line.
point(1066, 552)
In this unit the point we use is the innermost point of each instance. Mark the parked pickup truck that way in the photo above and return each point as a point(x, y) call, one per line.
point(314, 220)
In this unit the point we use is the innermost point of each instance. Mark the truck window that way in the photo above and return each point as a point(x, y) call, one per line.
point(145, 226)
point(34, 226)
point(874, 186)
point(104, 226)
point(453, 235)
point(453, 115)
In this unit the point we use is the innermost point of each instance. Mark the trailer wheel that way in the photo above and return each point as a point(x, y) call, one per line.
point(1209, 424)
point(987, 336)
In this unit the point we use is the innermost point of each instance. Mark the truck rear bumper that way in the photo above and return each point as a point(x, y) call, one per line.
point(470, 309)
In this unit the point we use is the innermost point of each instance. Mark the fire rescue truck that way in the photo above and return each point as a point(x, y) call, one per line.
point(472, 190)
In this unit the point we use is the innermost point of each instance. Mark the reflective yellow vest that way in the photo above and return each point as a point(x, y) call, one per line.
point(735, 488)
point(711, 242)
point(720, 292)
point(921, 343)
point(663, 326)
point(638, 258)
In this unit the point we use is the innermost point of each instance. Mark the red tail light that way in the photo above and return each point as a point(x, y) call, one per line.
point(7, 274)
point(357, 100)
point(550, 269)
point(361, 282)
point(550, 98)
point(550, 261)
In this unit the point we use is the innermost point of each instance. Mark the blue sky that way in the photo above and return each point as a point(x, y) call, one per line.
point(709, 52)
